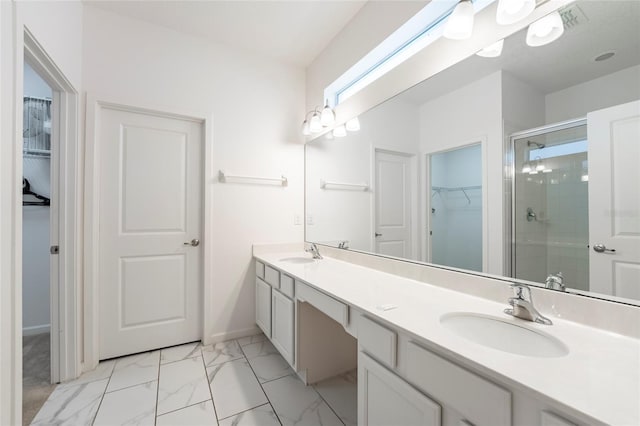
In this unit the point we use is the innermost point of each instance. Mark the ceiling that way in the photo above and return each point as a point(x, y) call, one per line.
point(292, 31)
point(603, 25)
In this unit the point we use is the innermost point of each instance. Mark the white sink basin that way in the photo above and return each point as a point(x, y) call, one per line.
point(503, 335)
point(297, 260)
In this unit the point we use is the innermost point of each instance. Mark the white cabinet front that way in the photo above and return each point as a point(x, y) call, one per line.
point(282, 329)
point(385, 399)
point(263, 306)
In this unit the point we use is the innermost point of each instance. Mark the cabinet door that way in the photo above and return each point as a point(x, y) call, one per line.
point(282, 315)
point(263, 306)
point(385, 399)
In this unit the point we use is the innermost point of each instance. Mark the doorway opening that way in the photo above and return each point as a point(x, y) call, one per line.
point(36, 237)
point(456, 208)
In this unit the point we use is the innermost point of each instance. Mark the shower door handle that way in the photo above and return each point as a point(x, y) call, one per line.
point(601, 248)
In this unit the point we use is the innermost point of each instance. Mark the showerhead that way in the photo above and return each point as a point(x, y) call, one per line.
point(538, 145)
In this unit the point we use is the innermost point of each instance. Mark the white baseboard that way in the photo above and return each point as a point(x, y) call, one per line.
point(36, 329)
point(230, 335)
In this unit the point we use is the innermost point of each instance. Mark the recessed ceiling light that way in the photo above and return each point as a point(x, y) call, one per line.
point(604, 56)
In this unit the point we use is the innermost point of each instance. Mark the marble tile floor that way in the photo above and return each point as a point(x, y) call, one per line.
point(36, 374)
point(242, 382)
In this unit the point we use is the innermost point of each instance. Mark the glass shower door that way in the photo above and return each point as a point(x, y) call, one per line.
point(550, 217)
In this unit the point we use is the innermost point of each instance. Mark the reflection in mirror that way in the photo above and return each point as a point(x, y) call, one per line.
point(456, 208)
point(568, 111)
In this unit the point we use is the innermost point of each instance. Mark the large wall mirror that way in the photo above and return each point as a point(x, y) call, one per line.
point(525, 165)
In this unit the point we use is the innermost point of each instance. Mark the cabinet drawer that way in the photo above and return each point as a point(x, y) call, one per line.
point(286, 285)
point(259, 269)
point(272, 276)
point(478, 400)
point(378, 341)
point(334, 309)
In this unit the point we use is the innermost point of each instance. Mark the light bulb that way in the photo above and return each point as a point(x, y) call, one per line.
point(327, 117)
point(353, 125)
point(526, 168)
point(492, 51)
point(459, 25)
point(545, 30)
point(340, 131)
point(305, 128)
point(540, 166)
point(314, 125)
point(511, 11)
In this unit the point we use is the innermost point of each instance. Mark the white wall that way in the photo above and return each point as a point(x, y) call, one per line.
point(256, 105)
point(465, 116)
point(576, 101)
point(57, 26)
point(346, 214)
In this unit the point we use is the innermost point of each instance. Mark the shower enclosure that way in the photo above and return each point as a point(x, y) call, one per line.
point(549, 201)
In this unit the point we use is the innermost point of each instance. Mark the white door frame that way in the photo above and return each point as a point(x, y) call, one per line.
point(426, 199)
point(414, 197)
point(17, 44)
point(95, 102)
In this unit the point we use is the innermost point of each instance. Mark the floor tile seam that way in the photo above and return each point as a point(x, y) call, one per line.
point(263, 391)
point(328, 405)
point(158, 414)
point(224, 362)
point(131, 386)
point(185, 407)
point(155, 411)
point(178, 360)
point(292, 373)
point(206, 377)
point(95, 416)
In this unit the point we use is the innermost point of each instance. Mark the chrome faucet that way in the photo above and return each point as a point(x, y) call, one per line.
point(522, 305)
point(313, 249)
point(343, 244)
point(555, 282)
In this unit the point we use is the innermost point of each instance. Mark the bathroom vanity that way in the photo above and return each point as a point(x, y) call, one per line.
point(415, 364)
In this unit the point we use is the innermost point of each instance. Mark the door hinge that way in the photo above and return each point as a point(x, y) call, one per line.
point(54, 249)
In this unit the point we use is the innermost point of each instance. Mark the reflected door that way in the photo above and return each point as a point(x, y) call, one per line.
point(393, 204)
point(614, 200)
point(150, 220)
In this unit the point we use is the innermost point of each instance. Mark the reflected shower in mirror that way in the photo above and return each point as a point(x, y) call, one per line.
point(522, 165)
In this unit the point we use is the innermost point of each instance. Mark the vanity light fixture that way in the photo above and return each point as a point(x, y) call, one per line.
point(459, 25)
point(340, 131)
point(327, 117)
point(318, 121)
point(353, 125)
point(545, 30)
point(511, 11)
point(492, 51)
point(314, 124)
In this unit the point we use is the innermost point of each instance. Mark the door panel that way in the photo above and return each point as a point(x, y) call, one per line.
point(150, 203)
point(393, 204)
point(614, 200)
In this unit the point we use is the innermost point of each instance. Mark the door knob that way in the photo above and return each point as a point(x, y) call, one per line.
point(195, 243)
point(378, 235)
point(601, 248)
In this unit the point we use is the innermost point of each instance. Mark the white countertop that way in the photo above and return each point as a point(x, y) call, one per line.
point(600, 377)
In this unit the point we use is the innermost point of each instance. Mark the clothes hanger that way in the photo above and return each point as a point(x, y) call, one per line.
point(26, 190)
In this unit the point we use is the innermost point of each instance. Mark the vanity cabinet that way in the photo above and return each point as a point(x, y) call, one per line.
point(282, 325)
point(263, 306)
point(275, 308)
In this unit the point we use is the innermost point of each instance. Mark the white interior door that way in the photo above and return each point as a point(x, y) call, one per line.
point(614, 200)
point(393, 204)
point(150, 203)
